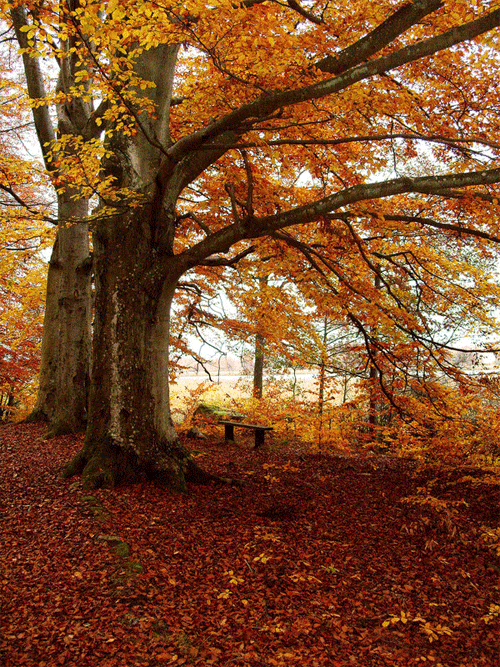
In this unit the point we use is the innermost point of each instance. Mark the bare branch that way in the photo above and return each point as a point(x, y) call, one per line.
point(220, 261)
point(293, 4)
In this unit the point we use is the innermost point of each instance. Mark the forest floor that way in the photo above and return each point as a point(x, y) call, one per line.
point(317, 561)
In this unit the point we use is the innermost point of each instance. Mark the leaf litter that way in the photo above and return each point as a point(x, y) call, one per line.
point(317, 561)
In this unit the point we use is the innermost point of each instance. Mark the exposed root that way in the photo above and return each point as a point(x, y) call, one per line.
point(113, 466)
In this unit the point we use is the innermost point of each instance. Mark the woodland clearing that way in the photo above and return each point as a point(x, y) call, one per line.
point(317, 560)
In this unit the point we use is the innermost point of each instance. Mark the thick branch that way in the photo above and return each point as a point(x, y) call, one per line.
point(222, 240)
point(431, 185)
point(242, 119)
point(381, 36)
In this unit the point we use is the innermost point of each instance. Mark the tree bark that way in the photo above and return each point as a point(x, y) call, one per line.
point(258, 367)
point(66, 342)
point(130, 435)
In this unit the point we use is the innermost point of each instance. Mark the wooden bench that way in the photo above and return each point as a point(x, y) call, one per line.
point(259, 431)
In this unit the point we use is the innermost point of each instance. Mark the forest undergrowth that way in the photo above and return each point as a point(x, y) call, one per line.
point(316, 560)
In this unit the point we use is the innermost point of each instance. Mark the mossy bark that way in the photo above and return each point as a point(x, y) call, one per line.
point(105, 464)
point(130, 435)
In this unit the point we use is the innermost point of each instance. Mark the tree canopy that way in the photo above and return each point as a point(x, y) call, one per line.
point(360, 139)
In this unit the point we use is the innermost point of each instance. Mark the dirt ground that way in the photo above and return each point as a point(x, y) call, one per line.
point(317, 561)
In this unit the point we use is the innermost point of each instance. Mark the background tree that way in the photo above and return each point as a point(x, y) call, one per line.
point(22, 276)
point(331, 96)
point(24, 234)
point(65, 356)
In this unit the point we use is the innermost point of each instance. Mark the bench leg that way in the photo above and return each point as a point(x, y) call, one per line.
point(229, 432)
point(259, 437)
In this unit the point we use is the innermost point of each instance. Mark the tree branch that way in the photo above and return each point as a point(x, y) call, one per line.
point(436, 139)
point(220, 261)
point(36, 89)
point(398, 23)
point(293, 4)
point(241, 119)
point(196, 219)
point(432, 185)
point(430, 222)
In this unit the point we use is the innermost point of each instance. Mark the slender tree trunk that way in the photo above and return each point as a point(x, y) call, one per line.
point(260, 342)
point(258, 368)
point(322, 381)
point(373, 409)
point(65, 356)
point(373, 404)
point(7, 402)
point(66, 341)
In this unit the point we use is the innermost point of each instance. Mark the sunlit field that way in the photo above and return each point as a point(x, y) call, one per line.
point(233, 391)
point(289, 404)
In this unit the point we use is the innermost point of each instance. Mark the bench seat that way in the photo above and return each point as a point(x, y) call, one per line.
point(259, 430)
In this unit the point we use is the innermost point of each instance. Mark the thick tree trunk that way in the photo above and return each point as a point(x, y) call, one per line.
point(66, 342)
point(130, 435)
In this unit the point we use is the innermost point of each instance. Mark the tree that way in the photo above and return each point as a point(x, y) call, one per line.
point(24, 233)
point(65, 355)
point(22, 274)
point(233, 122)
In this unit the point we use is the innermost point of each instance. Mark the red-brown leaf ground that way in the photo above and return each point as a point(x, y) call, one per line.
point(300, 566)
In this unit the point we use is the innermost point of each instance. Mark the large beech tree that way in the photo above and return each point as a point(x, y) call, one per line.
point(233, 121)
point(65, 356)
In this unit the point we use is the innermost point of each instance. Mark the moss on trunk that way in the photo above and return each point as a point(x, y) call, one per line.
point(107, 465)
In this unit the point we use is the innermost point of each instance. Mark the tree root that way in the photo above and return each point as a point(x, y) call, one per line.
point(109, 468)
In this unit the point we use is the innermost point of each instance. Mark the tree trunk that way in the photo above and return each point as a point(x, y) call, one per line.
point(322, 381)
point(260, 343)
point(130, 435)
point(373, 408)
point(66, 341)
point(258, 368)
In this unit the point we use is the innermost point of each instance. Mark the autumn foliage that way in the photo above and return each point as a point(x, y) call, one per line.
point(317, 164)
point(318, 561)
point(318, 182)
point(24, 234)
